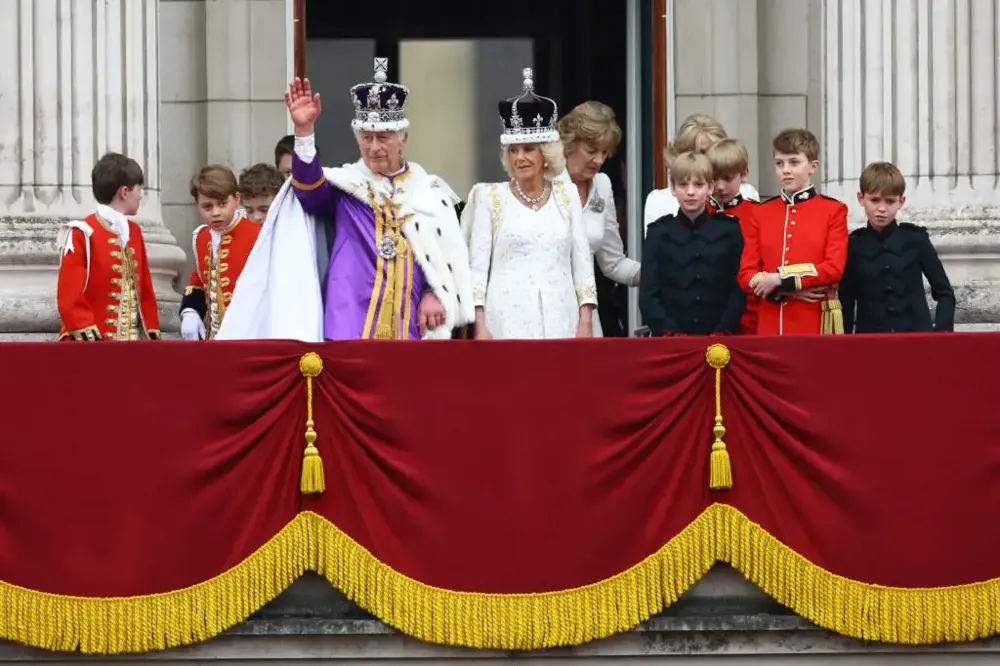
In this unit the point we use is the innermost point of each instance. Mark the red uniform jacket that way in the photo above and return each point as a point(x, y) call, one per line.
point(803, 237)
point(743, 210)
point(105, 292)
point(210, 288)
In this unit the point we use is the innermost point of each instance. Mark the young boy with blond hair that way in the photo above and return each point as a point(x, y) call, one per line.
point(221, 247)
point(730, 161)
point(883, 287)
point(696, 134)
point(796, 246)
point(259, 185)
point(690, 260)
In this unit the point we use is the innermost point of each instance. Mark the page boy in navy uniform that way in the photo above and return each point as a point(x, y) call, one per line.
point(690, 260)
point(883, 287)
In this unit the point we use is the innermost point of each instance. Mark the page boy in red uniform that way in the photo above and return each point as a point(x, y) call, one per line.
point(221, 248)
point(731, 166)
point(104, 290)
point(796, 247)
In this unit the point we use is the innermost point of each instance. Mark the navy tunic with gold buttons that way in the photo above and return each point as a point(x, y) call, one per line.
point(689, 270)
point(883, 288)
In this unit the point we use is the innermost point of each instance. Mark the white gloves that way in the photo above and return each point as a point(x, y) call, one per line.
point(192, 327)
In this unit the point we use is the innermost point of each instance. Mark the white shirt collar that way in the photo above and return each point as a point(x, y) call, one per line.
point(216, 236)
point(232, 223)
point(118, 221)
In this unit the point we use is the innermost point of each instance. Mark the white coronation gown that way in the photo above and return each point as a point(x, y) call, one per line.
point(531, 270)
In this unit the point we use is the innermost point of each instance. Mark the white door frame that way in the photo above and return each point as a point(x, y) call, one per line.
point(633, 145)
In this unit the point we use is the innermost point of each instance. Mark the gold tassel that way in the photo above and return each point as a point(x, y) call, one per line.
point(312, 481)
point(833, 317)
point(720, 470)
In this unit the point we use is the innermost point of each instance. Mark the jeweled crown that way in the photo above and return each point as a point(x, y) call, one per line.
point(529, 117)
point(380, 106)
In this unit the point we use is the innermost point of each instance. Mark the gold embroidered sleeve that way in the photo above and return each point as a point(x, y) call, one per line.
point(586, 296)
point(792, 275)
point(484, 201)
point(91, 333)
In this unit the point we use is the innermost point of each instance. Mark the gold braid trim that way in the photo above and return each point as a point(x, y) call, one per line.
point(502, 621)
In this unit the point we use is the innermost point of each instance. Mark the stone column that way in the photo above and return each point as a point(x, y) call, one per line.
point(916, 82)
point(77, 79)
point(246, 74)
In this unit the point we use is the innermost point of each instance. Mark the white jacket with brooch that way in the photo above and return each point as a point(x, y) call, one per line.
point(600, 219)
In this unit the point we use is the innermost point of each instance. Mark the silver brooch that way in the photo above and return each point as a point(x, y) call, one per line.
point(387, 248)
point(596, 204)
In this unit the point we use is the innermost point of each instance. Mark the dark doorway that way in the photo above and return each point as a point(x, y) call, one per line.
point(579, 45)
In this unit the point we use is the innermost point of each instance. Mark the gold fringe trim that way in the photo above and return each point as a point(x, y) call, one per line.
point(721, 533)
point(515, 621)
point(120, 625)
point(502, 621)
point(908, 616)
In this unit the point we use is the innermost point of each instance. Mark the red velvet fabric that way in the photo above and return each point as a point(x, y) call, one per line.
point(135, 468)
point(143, 467)
point(875, 457)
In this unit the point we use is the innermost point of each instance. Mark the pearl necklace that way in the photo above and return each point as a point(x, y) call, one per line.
point(531, 201)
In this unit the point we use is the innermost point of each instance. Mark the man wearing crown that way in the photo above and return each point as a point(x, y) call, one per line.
point(369, 250)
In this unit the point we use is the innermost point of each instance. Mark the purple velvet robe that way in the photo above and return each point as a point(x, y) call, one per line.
point(364, 296)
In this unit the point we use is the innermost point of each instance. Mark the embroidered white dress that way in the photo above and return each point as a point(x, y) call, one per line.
point(531, 270)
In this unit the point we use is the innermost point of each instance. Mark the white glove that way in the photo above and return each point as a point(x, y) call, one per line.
point(192, 327)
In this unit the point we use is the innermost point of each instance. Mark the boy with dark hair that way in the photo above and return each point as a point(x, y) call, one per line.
point(259, 185)
point(221, 247)
point(283, 152)
point(690, 260)
point(886, 263)
point(730, 161)
point(105, 290)
point(796, 246)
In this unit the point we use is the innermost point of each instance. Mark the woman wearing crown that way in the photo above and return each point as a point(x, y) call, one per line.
point(532, 274)
point(370, 250)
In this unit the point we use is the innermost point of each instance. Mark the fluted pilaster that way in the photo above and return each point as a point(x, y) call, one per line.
point(917, 82)
point(77, 79)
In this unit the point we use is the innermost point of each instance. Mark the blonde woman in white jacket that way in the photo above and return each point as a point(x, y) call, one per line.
point(590, 134)
point(697, 133)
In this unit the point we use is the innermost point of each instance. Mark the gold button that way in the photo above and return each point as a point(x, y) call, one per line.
point(794, 211)
point(793, 223)
point(789, 235)
point(788, 249)
point(786, 262)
